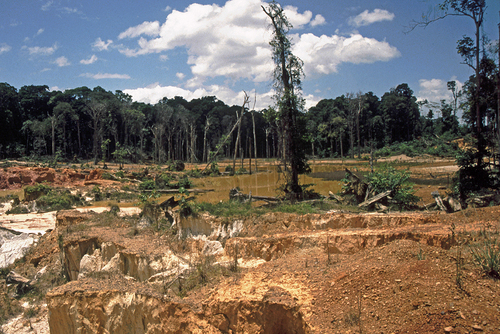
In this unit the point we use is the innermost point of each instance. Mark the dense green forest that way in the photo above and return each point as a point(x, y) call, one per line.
point(85, 123)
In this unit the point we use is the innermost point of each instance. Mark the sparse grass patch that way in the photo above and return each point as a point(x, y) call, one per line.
point(205, 271)
point(486, 255)
point(238, 209)
point(30, 312)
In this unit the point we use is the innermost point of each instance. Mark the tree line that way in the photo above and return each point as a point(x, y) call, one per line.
point(94, 123)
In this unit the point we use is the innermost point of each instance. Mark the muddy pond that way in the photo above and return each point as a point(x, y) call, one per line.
point(427, 175)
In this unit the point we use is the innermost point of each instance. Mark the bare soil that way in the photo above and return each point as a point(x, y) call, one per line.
point(403, 275)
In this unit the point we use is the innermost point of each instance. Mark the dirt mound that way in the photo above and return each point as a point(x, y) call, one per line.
point(16, 177)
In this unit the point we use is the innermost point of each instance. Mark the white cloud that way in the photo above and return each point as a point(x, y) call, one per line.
point(233, 41)
point(100, 45)
point(318, 20)
point(62, 61)
point(180, 75)
point(68, 10)
point(42, 51)
point(367, 18)
point(229, 41)
point(89, 61)
point(297, 19)
point(47, 5)
point(322, 55)
point(5, 48)
point(145, 28)
point(39, 32)
point(99, 76)
point(155, 92)
point(435, 90)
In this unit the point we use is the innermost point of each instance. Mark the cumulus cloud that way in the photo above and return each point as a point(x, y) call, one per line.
point(89, 61)
point(233, 41)
point(435, 90)
point(39, 32)
point(297, 19)
point(5, 48)
point(146, 28)
point(101, 45)
point(318, 20)
point(62, 61)
point(229, 41)
point(180, 75)
point(100, 76)
point(155, 92)
point(367, 18)
point(42, 51)
point(322, 55)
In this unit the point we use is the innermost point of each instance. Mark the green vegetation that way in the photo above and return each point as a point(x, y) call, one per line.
point(237, 209)
point(389, 178)
point(486, 255)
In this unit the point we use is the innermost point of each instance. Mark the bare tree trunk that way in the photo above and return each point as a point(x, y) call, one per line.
point(498, 91)
point(254, 140)
point(205, 152)
point(53, 124)
point(238, 120)
point(267, 143)
point(192, 148)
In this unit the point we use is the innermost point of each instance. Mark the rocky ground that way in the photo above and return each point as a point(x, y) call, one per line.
point(334, 272)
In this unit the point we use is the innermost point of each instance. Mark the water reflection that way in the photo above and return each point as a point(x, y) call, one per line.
point(263, 183)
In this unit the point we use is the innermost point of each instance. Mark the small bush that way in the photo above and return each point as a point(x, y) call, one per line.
point(177, 166)
point(59, 200)
point(147, 185)
point(388, 178)
point(194, 172)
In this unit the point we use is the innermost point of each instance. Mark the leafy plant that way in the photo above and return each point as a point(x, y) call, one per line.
point(185, 208)
point(471, 176)
point(119, 154)
point(389, 178)
point(96, 192)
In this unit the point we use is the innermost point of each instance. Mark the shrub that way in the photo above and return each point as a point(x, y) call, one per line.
point(471, 176)
point(59, 200)
point(147, 185)
point(388, 178)
point(177, 166)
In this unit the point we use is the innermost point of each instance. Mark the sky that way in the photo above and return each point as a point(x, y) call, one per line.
point(152, 49)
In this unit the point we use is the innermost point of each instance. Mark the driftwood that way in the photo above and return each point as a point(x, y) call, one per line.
point(375, 198)
point(439, 201)
point(238, 195)
point(23, 284)
point(335, 197)
point(172, 203)
point(175, 191)
point(356, 186)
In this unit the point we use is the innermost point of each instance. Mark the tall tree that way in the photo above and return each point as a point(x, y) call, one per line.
point(467, 48)
point(288, 75)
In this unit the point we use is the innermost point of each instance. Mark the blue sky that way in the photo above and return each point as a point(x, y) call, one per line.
point(152, 49)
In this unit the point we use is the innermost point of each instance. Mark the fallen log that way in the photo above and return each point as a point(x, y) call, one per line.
point(175, 191)
point(23, 284)
point(238, 195)
point(335, 197)
point(439, 201)
point(374, 199)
